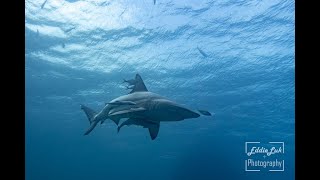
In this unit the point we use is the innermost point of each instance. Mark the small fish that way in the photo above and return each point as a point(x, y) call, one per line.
point(130, 81)
point(63, 45)
point(44, 3)
point(70, 29)
point(106, 3)
point(119, 103)
point(154, 1)
point(202, 52)
point(37, 32)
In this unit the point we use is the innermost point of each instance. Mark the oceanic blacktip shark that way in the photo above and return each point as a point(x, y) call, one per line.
point(140, 107)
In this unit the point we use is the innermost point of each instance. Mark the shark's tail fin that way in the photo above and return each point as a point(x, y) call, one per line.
point(92, 126)
point(90, 114)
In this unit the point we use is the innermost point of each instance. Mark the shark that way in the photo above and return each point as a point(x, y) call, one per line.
point(140, 107)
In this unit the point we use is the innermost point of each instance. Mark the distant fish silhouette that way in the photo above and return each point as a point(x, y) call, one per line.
point(70, 29)
point(63, 45)
point(37, 32)
point(154, 1)
point(123, 12)
point(44, 3)
point(202, 52)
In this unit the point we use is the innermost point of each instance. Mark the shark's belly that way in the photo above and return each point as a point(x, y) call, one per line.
point(163, 116)
point(170, 114)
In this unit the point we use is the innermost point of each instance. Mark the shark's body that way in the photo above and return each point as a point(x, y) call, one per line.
point(140, 107)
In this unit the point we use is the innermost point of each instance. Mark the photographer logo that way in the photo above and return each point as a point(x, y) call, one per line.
point(267, 156)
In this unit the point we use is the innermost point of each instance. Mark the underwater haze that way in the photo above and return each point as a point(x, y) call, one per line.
point(234, 58)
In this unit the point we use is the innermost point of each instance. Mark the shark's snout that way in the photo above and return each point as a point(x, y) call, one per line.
point(185, 113)
point(190, 114)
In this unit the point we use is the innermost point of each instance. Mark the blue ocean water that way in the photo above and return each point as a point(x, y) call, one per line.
point(234, 58)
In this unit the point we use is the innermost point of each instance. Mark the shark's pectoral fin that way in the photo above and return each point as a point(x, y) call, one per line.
point(127, 122)
point(154, 130)
point(151, 125)
point(204, 112)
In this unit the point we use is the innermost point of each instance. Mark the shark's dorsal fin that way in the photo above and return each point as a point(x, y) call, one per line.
point(138, 84)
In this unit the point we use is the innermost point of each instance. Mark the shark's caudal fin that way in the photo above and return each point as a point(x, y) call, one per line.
point(90, 115)
point(92, 126)
point(89, 112)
